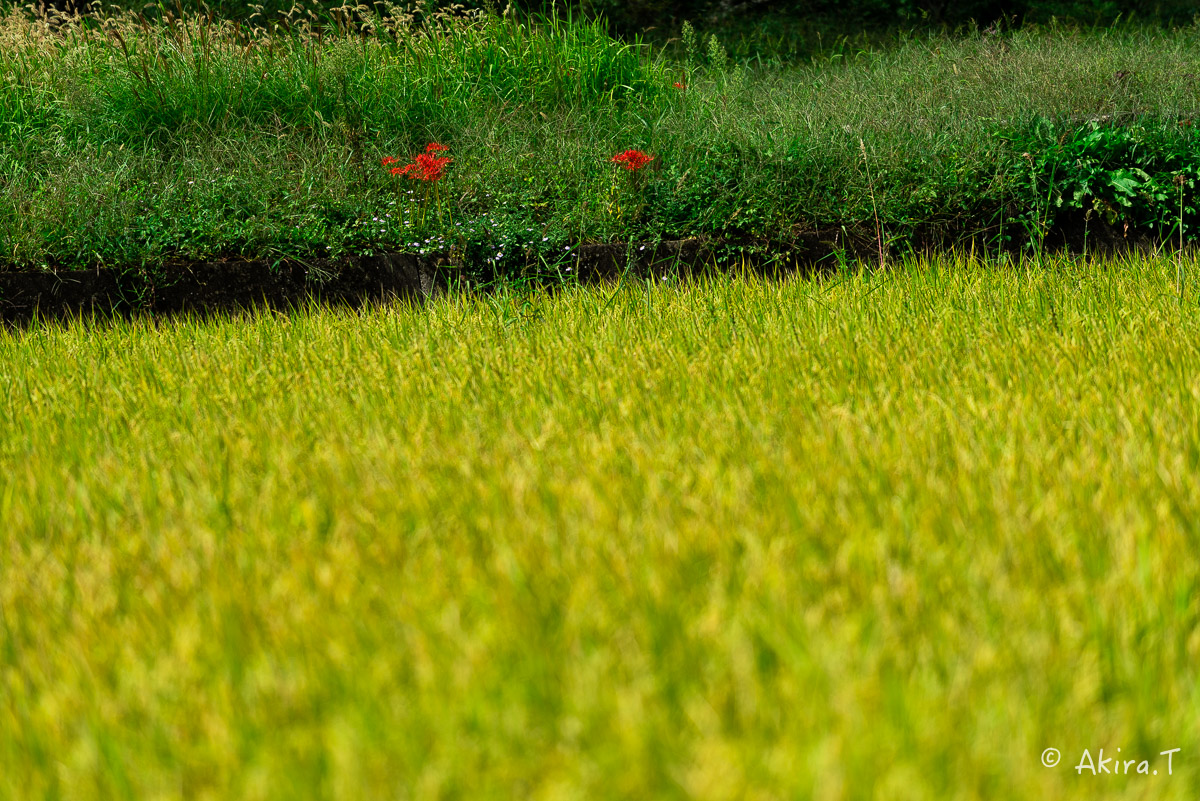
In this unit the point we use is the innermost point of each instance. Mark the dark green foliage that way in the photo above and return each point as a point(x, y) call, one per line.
point(628, 17)
point(847, 16)
point(1139, 175)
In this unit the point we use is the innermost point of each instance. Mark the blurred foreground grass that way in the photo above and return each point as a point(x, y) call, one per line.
point(883, 536)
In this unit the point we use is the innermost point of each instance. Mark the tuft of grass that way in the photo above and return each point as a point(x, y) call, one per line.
point(881, 535)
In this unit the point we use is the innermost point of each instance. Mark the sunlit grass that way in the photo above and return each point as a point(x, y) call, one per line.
point(878, 536)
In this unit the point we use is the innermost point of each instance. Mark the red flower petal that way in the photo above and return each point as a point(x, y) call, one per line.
point(632, 160)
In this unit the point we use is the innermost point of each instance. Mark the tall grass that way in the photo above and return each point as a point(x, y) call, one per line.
point(886, 535)
point(128, 142)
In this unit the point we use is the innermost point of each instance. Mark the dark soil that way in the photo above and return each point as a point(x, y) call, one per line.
point(212, 287)
point(221, 287)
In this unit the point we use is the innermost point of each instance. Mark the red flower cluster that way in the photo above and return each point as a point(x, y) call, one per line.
point(427, 166)
point(632, 160)
point(678, 85)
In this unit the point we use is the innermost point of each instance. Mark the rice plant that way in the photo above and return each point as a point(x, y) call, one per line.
point(879, 535)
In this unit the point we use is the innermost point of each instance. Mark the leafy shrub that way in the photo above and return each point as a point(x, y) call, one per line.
point(1140, 175)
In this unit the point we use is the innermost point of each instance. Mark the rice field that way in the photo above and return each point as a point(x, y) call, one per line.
point(882, 535)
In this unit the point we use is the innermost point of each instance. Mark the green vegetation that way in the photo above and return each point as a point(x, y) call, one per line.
point(137, 144)
point(887, 535)
point(771, 25)
point(881, 534)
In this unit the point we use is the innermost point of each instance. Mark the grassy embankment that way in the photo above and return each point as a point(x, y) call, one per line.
point(131, 145)
point(883, 536)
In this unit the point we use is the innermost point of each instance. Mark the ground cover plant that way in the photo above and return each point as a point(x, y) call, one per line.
point(883, 535)
point(139, 144)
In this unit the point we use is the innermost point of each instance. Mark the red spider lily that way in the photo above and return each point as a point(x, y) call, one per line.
point(679, 85)
point(632, 160)
point(429, 168)
point(426, 166)
point(389, 160)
